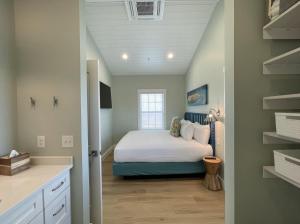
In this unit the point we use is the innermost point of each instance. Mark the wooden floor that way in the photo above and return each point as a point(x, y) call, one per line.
point(167, 200)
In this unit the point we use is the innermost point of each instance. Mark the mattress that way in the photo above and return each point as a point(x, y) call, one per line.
point(158, 146)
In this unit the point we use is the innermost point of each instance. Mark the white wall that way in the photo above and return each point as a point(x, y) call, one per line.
point(208, 68)
point(50, 41)
point(105, 77)
point(8, 99)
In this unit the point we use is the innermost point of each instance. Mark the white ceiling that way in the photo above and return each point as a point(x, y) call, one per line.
point(147, 43)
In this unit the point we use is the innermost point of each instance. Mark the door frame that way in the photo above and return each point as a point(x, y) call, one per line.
point(96, 214)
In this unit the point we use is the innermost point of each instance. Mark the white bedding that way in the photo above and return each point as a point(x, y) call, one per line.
point(158, 146)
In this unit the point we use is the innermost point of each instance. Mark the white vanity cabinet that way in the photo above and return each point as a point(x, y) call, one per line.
point(55, 188)
point(25, 211)
point(39, 195)
point(58, 212)
point(39, 219)
point(57, 201)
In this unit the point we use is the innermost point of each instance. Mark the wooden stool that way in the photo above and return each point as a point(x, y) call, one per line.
point(212, 165)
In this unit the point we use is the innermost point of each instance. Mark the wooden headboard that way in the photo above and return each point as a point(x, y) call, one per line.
point(200, 118)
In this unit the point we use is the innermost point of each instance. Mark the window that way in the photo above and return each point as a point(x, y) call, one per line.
point(151, 108)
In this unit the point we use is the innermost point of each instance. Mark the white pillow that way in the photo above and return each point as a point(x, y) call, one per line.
point(183, 122)
point(187, 130)
point(201, 133)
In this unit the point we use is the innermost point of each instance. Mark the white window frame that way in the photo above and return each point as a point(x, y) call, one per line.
point(149, 91)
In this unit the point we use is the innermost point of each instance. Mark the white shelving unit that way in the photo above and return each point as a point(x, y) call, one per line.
point(282, 102)
point(269, 172)
point(273, 138)
point(285, 26)
point(287, 63)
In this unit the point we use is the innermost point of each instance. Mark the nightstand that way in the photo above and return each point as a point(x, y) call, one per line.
point(212, 166)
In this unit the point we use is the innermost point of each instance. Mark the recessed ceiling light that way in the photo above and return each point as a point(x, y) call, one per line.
point(170, 56)
point(124, 56)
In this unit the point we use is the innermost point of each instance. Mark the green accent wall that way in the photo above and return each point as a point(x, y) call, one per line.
point(125, 99)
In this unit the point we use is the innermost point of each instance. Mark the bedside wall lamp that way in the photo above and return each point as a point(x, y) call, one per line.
point(213, 115)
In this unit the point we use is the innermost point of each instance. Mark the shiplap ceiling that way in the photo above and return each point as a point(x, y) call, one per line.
point(148, 43)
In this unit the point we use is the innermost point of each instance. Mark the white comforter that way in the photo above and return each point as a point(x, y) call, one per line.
point(158, 146)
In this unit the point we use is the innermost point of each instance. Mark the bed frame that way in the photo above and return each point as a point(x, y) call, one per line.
point(167, 168)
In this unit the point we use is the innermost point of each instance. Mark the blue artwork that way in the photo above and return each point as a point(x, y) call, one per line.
point(198, 96)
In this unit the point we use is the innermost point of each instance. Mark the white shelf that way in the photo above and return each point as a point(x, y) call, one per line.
point(287, 63)
point(269, 172)
point(285, 26)
point(273, 138)
point(283, 102)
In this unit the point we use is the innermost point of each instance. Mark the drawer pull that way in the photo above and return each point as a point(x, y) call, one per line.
point(292, 161)
point(59, 186)
point(59, 210)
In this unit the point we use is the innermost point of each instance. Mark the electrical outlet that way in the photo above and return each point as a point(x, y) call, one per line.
point(41, 141)
point(67, 141)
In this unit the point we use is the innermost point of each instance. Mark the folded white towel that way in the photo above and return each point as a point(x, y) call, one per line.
point(13, 153)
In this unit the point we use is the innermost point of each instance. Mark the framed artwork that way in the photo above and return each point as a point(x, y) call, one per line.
point(198, 96)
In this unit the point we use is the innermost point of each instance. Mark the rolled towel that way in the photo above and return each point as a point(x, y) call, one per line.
point(13, 153)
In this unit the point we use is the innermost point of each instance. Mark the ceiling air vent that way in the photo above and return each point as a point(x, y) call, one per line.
point(145, 9)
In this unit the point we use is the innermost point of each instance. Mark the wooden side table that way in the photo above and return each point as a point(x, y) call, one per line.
point(212, 165)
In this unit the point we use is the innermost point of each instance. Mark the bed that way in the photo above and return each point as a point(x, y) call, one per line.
point(158, 153)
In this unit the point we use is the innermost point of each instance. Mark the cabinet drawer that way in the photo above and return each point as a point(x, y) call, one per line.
point(58, 212)
point(24, 212)
point(39, 219)
point(287, 163)
point(288, 124)
point(55, 188)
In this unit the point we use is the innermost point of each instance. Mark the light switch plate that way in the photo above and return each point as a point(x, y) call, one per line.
point(67, 141)
point(41, 142)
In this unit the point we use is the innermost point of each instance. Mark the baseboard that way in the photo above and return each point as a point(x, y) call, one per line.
point(108, 152)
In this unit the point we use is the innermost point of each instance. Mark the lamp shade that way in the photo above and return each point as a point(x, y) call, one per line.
point(212, 115)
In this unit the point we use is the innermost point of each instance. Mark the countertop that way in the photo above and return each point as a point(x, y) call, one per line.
point(15, 189)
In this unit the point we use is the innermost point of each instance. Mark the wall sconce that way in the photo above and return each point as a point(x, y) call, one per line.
point(213, 115)
point(55, 101)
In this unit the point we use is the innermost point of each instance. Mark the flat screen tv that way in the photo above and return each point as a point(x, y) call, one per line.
point(105, 96)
